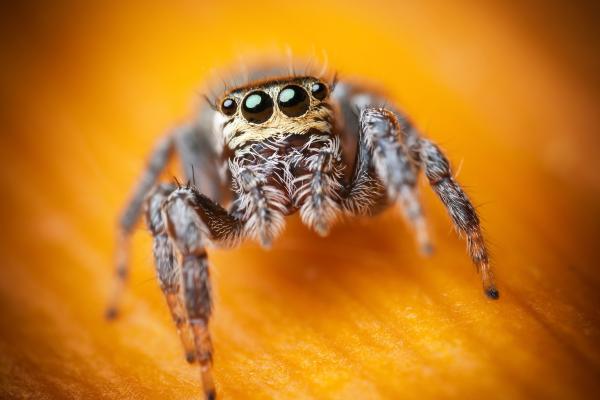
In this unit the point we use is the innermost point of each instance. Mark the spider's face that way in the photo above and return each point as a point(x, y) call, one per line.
point(262, 110)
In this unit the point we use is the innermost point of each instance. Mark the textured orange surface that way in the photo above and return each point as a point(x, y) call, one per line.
point(512, 95)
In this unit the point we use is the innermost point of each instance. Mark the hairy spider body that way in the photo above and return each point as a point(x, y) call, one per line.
point(271, 148)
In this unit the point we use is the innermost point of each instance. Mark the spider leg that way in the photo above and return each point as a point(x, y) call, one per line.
point(199, 161)
point(319, 188)
point(168, 268)
point(157, 162)
point(192, 222)
point(258, 204)
point(364, 193)
point(389, 156)
point(462, 212)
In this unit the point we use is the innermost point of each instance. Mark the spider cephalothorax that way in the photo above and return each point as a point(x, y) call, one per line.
point(271, 148)
point(276, 135)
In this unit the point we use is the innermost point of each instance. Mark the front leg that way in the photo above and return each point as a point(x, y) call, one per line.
point(382, 149)
point(168, 268)
point(260, 204)
point(397, 163)
point(318, 190)
point(192, 221)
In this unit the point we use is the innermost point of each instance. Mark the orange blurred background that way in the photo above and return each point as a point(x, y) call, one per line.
point(510, 91)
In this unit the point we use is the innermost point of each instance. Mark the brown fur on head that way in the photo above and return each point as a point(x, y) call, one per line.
point(237, 130)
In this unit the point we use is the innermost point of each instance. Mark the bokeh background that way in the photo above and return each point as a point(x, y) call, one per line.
point(511, 91)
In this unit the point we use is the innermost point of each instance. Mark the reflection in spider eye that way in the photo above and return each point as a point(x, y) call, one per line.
point(228, 107)
point(257, 107)
point(318, 90)
point(293, 101)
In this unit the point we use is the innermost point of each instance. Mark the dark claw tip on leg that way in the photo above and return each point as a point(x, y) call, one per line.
point(190, 357)
point(111, 313)
point(211, 395)
point(492, 293)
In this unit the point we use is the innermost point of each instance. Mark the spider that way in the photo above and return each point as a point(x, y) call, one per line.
point(267, 149)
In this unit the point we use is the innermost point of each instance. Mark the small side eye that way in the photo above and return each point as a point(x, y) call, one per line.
point(228, 107)
point(318, 90)
point(257, 107)
point(293, 101)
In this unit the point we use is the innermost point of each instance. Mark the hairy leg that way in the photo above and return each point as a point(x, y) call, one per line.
point(319, 188)
point(186, 230)
point(260, 205)
point(193, 221)
point(168, 268)
point(462, 212)
point(200, 162)
point(364, 194)
point(382, 137)
point(157, 162)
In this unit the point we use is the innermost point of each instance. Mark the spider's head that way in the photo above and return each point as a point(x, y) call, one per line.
point(266, 109)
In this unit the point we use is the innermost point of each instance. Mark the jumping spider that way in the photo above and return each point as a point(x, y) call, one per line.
point(270, 148)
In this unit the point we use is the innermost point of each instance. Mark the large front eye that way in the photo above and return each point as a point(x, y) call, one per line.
point(293, 101)
point(257, 107)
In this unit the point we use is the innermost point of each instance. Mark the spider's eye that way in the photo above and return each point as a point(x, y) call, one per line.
point(228, 107)
point(293, 101)
point(257, 107)
point(319, 90)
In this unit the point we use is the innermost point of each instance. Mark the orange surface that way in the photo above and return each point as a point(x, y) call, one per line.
point(512, 95)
